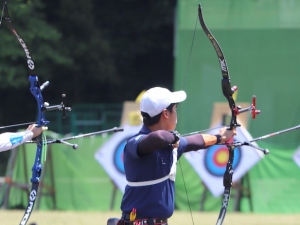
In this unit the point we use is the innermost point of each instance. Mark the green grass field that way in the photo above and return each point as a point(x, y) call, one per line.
point(13, 217)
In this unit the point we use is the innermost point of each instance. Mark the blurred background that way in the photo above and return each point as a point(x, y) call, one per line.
point(98, 53)
point(103, 53)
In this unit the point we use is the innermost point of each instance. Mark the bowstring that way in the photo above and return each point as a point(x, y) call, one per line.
point(184, 84)
point(190, 54)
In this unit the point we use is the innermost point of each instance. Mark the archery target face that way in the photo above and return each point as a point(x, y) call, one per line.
point(216, 158)
point(210, 164)
point(110, 155)
point(118, 160)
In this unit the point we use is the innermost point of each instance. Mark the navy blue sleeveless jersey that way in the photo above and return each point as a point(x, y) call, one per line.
point(155, 200)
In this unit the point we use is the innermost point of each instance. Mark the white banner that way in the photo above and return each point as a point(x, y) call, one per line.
point(296, 157)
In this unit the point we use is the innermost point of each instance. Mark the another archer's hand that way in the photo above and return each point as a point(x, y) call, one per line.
point(36, 130)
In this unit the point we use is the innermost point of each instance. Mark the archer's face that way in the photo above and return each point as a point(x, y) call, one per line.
point(172, 121)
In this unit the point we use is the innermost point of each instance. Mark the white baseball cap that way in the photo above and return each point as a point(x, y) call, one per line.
point(156, 99)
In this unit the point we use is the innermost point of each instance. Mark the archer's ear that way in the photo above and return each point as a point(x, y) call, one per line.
point(165, 113)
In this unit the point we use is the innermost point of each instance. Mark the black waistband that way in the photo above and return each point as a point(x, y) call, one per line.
point(146, 221)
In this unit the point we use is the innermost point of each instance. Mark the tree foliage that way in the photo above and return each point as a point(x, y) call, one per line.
point(41, 38)
point(94, 51)
point(117, 48)
point(17, 104)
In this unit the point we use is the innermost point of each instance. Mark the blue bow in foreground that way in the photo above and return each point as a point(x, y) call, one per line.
point(42, 107)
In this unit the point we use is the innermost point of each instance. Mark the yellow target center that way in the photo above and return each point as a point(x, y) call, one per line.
point(222, 157)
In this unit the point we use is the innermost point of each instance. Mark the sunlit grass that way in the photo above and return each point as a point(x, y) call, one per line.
point(13, 217)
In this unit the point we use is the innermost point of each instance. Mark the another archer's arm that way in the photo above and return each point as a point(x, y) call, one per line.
point(11, 140)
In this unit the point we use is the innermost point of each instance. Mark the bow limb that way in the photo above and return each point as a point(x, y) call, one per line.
point(227, 92)
point(226, 85)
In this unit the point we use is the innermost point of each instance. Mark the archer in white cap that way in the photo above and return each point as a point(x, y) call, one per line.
point(150, 158)
point(10, 140)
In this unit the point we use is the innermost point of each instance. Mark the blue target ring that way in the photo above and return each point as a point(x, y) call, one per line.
point(118, 156)
point(216, 158)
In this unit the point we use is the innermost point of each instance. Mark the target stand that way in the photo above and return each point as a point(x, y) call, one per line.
point(9, 182)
